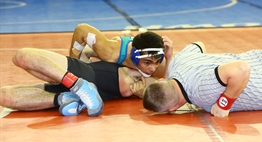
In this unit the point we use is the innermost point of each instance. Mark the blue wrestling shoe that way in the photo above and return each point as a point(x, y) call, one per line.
point(70, 104)
point(65, 97)
point(89, 96)
point(72, 108)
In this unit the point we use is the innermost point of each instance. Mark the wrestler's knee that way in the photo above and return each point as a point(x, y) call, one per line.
point(20, 58)
point(5, 96)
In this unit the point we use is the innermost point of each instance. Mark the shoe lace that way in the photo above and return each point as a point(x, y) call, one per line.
point(86, 98)
point(65, 98)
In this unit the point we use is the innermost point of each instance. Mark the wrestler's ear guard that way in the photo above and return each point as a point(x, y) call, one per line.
point(135, 55)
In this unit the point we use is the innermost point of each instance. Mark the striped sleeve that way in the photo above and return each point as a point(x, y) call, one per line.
point(192, 48)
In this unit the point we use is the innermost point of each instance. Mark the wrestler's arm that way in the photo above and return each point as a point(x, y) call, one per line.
point(137, 88)
point(87, 35)
point(235, 75)
point(168, 43)
point(131, 82)
point(86, 55)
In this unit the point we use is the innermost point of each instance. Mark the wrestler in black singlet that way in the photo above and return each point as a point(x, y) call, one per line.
point(103, 74)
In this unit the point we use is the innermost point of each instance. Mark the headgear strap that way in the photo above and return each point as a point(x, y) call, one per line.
point(136, 56)
point(160, 51)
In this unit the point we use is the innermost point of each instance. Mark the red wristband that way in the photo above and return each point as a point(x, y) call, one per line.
point(224, 102)
point(69, 79)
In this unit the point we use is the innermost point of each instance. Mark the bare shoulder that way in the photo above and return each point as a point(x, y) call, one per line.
point(116, 38)
point(115, 43)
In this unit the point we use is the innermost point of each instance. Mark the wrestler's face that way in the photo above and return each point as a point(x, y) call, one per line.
point(149, 65)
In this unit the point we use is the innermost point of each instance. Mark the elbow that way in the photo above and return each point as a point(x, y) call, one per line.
point(81, 29)
point(244, 69)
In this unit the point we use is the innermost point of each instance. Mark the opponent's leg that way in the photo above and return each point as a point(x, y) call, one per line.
point(33, 97)
point(70, 104)
point(89, 95)
point(26, 97)
point(43, 64)
point(53, 66)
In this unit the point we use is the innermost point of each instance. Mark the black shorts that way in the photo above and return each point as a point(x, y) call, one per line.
point(103, 74)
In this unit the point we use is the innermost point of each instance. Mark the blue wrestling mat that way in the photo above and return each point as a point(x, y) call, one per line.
point(63, 15)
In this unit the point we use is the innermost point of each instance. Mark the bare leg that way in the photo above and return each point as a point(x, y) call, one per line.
point(52, 67)
point(43, 64)
point(26, 97)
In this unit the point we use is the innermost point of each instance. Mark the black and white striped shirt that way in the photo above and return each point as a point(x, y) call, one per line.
point(197, 74)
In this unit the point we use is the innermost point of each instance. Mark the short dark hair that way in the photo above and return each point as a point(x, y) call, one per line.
point(158, 97)
point(148, 40)
point(154, 97)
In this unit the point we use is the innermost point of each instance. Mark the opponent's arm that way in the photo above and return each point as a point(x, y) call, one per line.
point(138, 87)
point(236, 75)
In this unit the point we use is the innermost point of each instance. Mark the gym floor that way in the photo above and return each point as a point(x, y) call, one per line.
point(222, 25)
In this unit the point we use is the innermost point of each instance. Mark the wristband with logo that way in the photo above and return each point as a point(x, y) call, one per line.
point(224, 102)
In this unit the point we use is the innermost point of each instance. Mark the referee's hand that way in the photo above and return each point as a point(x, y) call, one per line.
point(218, 112)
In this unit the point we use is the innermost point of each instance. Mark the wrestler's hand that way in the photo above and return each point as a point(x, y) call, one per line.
point(168, 43)
point(137, 87)
point(217, 111)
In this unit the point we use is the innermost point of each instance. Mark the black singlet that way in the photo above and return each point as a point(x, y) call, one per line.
point(103, 74)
